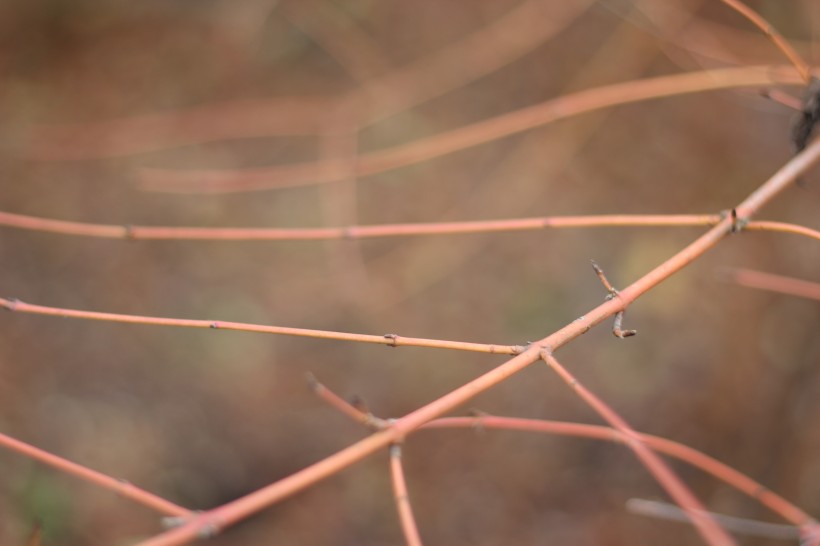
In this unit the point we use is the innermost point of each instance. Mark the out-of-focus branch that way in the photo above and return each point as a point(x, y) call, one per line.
point(444, 143)
point(280, 116)
point(522, 29)
point(773, 283)
point(673, 485)
point(781, 43)
point(741, 526)
point(402, 498)
point(120, 487)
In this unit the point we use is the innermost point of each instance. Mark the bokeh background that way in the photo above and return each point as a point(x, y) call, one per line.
point(98, 98)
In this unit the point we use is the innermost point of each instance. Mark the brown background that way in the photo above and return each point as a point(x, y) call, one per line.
point(203, 417)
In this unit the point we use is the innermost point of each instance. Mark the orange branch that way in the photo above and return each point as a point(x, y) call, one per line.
point(774, 283)
point(681, 494)
point(565, 106)
point(391, 340)
point(762, 225)
point(121, 487)
point(109, 231)
point(228, 514)
point(781, 43)
point(402, 498)
point(712, 466)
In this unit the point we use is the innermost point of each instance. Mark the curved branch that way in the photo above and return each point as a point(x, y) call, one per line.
point(444, 143)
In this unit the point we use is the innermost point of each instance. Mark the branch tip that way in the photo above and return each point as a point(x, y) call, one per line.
point(209, 530)
point(617, 331)
point(603, 279)
point(312, 382)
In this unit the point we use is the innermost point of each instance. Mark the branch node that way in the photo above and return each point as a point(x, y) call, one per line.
point(368, 419)
point(478, 423)
point(393, 340)
point(209, 530)
point(358, 402)
point(395, 450)
point(128, 232)
point(738, 224)
point(11, 304)
point(171, 522)
point(214, 325)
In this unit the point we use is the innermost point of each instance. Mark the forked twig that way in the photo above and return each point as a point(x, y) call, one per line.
point(720, 471)
point(361, 416)
point(617, 331)
point(243, 507)
point(481, 421)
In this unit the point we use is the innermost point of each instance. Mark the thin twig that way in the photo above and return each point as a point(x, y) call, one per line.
point(617, 331)
point(121, 487)
point(773, 283)
point(676, 489)
point(741, 526)
point(334, 400)
point(402, 498)
point(721, 471)
point(131, 232)
point(764, 225)
point(482, 420)
point(781, 43)
point(391, 340)
point(782, 98)
point(488, 130)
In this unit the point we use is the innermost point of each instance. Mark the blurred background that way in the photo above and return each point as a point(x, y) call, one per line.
point(179, 113)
